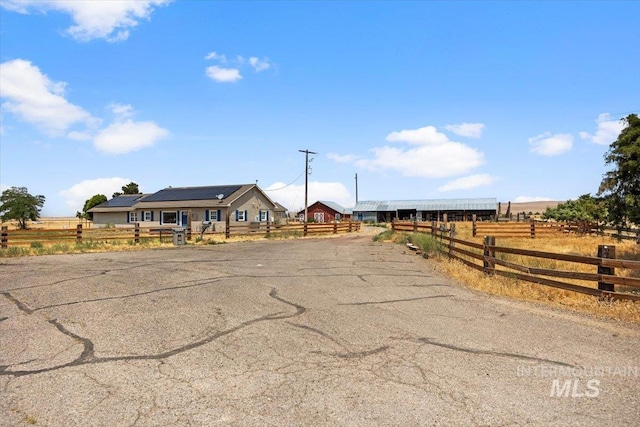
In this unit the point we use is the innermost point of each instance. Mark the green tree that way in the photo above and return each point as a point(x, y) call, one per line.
point(585, 209)
point(620, 186)
point(89, 203)
point(17, 204)
point(130, 188)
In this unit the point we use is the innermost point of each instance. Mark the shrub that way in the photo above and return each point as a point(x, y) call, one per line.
point(385, 235)
point(426, 243)
point(36, 245)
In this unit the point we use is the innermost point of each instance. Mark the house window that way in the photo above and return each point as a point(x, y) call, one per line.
point(241, 215)
point(133, 216)
point(264, 215)
point(337, 217)
point(169, 217)
point(148, 216)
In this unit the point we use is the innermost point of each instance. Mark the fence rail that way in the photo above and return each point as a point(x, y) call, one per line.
point(484, 257)
point(136, 233)
point(535, 229)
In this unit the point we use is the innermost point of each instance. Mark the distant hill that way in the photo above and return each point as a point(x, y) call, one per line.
point(535, 207)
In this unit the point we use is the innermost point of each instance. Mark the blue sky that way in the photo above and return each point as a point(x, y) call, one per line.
point(423, 100)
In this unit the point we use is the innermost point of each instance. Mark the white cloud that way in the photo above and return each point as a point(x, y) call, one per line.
point(126, 136)
point(80, 192)
point(223, 75)
point(258, 64)
point(435, 157)
point(607, 132)
point(34, 98)
point(292, 196)
point(121, 111)
point(528, 199)
point(551, 145)
point(31, 96)
point(421, 136)
point(470, 130)
point(347, 158)
point(468, 182)
point(217, 56)
point(96, 19)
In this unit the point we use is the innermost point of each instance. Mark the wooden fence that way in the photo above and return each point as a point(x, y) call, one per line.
point(530, 229)
point(535, 229)
point(294, 228)
point(485, 257)
point(137, 234)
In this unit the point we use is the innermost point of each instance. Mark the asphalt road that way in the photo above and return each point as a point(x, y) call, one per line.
point(339, 331)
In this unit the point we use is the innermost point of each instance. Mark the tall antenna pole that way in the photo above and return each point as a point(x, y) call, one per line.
point(356, 189)
point(306, 181)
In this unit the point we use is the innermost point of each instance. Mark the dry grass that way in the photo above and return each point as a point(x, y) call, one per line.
point(563, 243)
point(52, 223)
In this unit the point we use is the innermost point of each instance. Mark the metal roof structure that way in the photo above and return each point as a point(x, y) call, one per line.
point(333, 205)
point(193, 193)
point(486, 204)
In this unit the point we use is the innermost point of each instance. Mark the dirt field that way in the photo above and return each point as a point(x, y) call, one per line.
point(340, 331)
point(535, 207)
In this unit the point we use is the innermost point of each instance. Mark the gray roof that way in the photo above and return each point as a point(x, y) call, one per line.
point(333, 205)
point(486, 204)
point(193, 193)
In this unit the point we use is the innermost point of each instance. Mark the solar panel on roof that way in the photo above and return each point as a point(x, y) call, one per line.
point(123, 201)
point(192, 193)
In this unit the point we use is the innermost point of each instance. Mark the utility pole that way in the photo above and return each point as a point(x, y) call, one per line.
point(306, 181)
point(356, 189)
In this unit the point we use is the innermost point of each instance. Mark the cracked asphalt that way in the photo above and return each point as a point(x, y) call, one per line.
point(330, 331)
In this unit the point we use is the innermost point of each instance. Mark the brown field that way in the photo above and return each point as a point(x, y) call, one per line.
point(52, 223)
point(535, 207)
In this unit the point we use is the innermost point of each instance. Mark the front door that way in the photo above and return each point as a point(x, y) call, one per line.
point(318, 216)
point(185, 218)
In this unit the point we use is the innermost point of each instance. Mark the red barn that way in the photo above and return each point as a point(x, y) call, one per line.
point(323, 211)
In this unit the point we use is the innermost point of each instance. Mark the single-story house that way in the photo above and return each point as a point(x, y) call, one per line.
point(426, 210)
point(183, 206)
point(325, 211)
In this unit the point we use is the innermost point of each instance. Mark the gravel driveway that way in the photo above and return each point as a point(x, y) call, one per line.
point(339, 331)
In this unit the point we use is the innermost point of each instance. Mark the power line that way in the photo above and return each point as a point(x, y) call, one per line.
point(276, 189)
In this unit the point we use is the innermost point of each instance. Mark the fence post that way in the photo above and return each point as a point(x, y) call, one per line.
point(415, 225)
point(5, 236)
point(268, 227)
point(227, 227)
point(445, 218)
point(304, 229)
point(533, 229)
point(78, 233)
point(393, 226)
point(452, 234)
point(335, 227)
point(136, 233)
point(189, 224)
point(434, 229)
point(349, 225)
point(474, 226)
point(489, 255)
point(605, 251)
